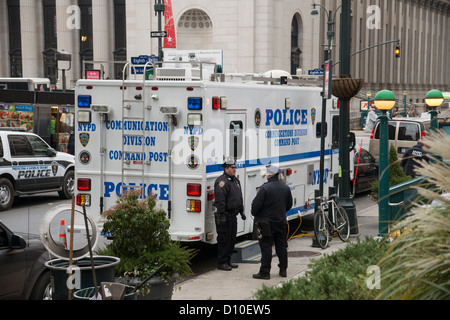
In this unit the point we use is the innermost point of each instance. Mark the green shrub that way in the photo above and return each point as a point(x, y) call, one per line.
point(338, 276)
point(141, 239)
point(396, 173)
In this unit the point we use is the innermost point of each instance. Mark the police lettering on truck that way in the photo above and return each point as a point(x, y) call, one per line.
point(168, 138)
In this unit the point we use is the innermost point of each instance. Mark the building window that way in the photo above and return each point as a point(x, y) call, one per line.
point(50, 41)
point(194, 30)
point(86, 34)
point(295, 45)
point(15, 39)
point(120, 31)
point(195, 19)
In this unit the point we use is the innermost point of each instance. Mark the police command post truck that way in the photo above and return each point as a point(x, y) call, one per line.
point(168, 137)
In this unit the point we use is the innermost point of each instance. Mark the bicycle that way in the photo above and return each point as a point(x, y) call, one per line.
point(336, 221)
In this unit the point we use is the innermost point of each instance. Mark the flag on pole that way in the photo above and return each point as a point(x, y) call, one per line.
point(170, 41)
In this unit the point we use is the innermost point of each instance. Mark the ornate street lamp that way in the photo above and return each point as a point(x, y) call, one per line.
point(434, 99)
point(384, 101)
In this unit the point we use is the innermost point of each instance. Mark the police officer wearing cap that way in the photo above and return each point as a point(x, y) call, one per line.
point(229, 203)
point(269, 208)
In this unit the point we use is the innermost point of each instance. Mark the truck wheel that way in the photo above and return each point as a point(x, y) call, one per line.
point(68, 186)
point(6, 194)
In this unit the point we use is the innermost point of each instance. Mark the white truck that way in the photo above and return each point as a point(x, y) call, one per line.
point(169, 136)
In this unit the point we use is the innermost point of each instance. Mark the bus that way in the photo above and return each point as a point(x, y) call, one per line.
point(27, 84)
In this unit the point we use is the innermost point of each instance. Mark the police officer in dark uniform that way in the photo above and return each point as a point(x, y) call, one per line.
point(269, 207)
point(412, 159)
point(229, 203)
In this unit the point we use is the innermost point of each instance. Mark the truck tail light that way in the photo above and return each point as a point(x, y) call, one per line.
point(194, 189)
point(288, 171)
point(211, 196)
point(83, 199)
point(216, 103)
point(193, 205)
point(84, 184)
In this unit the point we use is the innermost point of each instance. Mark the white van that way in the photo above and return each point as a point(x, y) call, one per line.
point(403, 134)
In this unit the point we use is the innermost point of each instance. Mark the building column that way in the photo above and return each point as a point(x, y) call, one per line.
point(103, 33)
point(32, 29)
point(139, 17)
point(67, 26)
point(4, 41)
point(246, 36)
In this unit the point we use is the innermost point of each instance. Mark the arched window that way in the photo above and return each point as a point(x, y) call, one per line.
point(194, 30)
point(295, 44)
point(195, 19)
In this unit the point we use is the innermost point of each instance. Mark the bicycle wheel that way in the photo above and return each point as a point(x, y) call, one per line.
point(321, 229)
point(342, 223)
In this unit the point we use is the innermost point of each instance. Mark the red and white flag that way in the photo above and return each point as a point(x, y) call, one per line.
point(170, 41)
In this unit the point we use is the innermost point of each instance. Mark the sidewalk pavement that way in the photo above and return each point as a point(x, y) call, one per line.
point(238, 284)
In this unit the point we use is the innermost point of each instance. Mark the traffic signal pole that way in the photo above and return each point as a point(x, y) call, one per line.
point(377, 45)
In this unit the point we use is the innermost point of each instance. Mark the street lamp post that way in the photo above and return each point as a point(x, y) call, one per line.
point(384, 101)
point(405, 93)
point(64, 61)
point(434, 99)
point(327, 59)
point(344, 88)
point(345, 200)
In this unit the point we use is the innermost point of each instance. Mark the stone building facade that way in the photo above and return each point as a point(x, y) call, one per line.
point(255, 36)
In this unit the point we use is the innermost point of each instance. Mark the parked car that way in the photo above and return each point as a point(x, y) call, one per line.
point(23, 275)
point(366, 171)
point(403, 134)
point(28, 165)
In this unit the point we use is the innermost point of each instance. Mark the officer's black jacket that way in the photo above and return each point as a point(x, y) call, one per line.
point(272, 202)
point(412, 158)
point(228, 195)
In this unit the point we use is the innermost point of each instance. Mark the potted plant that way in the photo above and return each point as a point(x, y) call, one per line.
point(141, 239)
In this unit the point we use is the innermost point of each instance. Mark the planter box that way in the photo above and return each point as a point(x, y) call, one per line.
point(159, 289)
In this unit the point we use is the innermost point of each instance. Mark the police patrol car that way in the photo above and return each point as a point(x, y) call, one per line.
point(28, 166)
point(167, 137)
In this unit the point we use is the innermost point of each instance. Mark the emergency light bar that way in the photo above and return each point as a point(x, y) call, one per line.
point(195, 103)
point(84, 101)
point(194, 119)
point(100, 109)
point(84, 117)
point(169, 110)
point(219, 103)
